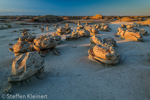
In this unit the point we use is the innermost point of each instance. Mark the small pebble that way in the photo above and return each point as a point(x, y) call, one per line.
point(10, 44)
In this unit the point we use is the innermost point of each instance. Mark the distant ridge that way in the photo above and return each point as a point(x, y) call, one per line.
point(97, 16)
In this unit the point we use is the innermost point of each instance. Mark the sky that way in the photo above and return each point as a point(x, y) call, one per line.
point(75, 7)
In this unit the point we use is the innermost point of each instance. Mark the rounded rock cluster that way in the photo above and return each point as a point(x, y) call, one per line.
point(44, 42)
point(103, 51)
point(131, 34)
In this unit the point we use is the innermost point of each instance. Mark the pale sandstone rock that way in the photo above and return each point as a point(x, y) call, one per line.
point(68, 29)
point(80, 27)
point(31, 47)
point(123, 25)
point(74, 35)
point(98, 26)
point(106, 55)
point(44, 42)
point(136, 25)
point(131, 34)
point(143, 32)
point(109, 41)
point(67, 25)
point(86, 23)
point(95, 40)
point(120, 32)
point(94, 31)
point(23, 38)
point(20, 47)
point(61, 31)
point(25, 33)
point(56, 37)
point(78, 23)
point(104, 27)
point(30, 38)
point(25, 66)
point(83, 33)
point(47, 28)
point(129, 26)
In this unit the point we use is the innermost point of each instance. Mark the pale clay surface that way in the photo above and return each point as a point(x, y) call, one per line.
point(72, 76)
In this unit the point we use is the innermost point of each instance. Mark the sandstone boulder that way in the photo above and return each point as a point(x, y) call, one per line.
point(20, 47)
point(123, 25)
point(44, 42)
point(104, 27)
point(129, 26)
point(95, 40)
point(109, 41)
point(143, 32)
point(56, 37)
point(80, 27)
point(68, 29)
point(133, 35)
point(61, 31)
point(97, 16)
point(30, 38)
point(83, 33)
point(25, 66)
point(106, 55)
point(74, 35)
point(93, 31)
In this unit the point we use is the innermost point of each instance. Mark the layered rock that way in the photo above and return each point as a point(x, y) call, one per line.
point(95, 40)
point(25, 66)
point(128, 26)
point(80, 27)
point(61, 31)
point(68, 29)
point(92, 29)
point(30, 38)
point(44, 42)
point(104, 27)
point(109, 41)
point(56, 37)
point(132, 34)
point(97, 16)
point(20, 47)
point(101, 54)
point(74, 35)
point(83, 33)
point(143, 32)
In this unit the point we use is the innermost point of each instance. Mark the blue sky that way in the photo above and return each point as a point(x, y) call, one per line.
point(74, 7)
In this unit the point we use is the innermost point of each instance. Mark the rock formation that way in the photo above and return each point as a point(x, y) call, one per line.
point(20, 47)
point(103, 54)
point(61, 31)
point(131, 34)
point(74, 35)
point(97, 16)
point(83, 33)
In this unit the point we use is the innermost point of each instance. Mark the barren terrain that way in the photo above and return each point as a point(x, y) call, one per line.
point(72, 76)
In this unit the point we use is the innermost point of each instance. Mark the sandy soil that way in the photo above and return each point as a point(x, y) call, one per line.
point(72, 76)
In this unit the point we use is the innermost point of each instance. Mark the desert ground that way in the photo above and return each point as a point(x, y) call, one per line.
point(72, 76)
